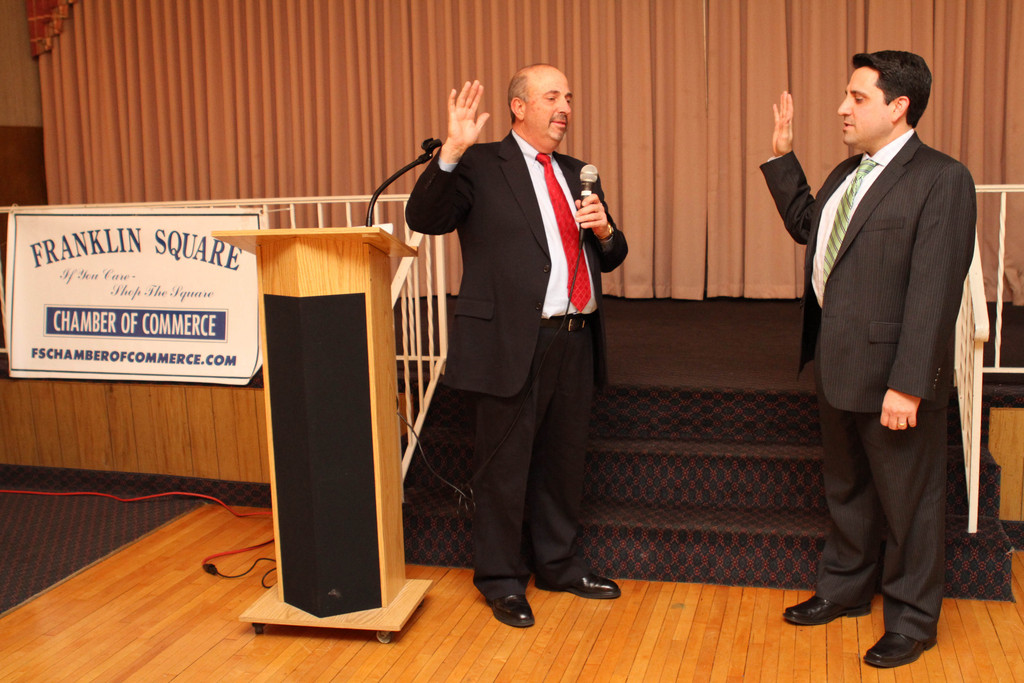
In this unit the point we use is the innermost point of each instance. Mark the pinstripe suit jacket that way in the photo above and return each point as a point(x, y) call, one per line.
point(889, 310)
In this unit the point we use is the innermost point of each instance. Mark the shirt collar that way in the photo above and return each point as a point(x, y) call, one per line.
point(889, 152)
point(527, 149)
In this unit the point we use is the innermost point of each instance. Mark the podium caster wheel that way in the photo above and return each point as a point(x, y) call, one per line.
point(384, 636)
point(258, 628)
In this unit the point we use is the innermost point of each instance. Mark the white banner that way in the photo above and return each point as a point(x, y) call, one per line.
point(132, 295)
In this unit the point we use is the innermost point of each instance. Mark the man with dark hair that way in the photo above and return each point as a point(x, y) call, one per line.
point(527, 339)
point(900, 73)
point(890, 239)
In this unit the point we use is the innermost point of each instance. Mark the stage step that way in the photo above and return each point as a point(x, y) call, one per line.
point(670, 473)
point(691, 485)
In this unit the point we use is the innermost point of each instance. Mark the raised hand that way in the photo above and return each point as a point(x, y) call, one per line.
point(782, 137)
point(463, 122)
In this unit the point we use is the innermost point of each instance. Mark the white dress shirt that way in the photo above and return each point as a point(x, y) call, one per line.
point(828, 214)
point(556, 300)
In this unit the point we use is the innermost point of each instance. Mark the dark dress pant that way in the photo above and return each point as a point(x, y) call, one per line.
point(528, 464)
point(885, 485)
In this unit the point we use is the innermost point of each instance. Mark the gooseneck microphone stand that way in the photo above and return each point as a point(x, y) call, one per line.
point(428, 147)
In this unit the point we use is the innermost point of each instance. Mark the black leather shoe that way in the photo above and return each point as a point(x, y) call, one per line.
point(589, 586)
point(896, 649)
point(818, 611)
point(513, 610)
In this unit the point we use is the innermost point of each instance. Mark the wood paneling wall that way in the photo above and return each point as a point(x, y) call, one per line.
point(218, 432)
point(1006, 442)
point(187, 430)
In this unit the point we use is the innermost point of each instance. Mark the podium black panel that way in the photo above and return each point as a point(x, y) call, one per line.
point(323, 452)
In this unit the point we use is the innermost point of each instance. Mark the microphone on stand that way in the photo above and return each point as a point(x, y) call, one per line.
point(428, 146)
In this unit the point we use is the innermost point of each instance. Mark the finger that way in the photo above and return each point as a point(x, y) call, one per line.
point(476, 92)
point(463, 95)
point(481, 120)
point(786, 109)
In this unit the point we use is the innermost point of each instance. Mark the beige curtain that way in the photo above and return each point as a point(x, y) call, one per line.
point(153, 100)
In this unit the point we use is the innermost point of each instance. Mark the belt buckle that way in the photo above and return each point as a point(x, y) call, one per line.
point(577, 323)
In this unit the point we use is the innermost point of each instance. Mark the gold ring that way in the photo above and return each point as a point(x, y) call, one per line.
point(901, 424)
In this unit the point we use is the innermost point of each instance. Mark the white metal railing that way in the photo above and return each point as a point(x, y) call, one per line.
point(417, 286)
point(971, 334)
point(1003, 191)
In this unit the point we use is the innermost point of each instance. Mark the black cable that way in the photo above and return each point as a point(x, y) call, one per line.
point(465, 500)
point(211, 568)
point(263, 579)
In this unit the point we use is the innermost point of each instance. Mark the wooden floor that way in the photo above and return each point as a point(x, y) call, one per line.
point(150, 613)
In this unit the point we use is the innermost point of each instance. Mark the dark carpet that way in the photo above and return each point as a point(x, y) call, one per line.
point(739, 343)
point(46, 539)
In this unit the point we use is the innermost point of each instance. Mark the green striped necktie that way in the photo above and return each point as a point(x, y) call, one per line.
point(843, 213)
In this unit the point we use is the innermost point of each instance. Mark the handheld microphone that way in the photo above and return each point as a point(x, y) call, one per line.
point(588, 176)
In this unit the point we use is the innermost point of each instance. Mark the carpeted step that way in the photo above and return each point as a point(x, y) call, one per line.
point(719, 486)
point(732, 547)
point(673, 413)
point(674, 473)
point(743, 475)
point(644, 412)
point(706, 415)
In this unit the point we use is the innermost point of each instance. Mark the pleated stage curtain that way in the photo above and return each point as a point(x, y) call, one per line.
point(152, 100)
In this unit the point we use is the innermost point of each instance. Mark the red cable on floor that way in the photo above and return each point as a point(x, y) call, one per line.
point(207, 559)
point(261, 513)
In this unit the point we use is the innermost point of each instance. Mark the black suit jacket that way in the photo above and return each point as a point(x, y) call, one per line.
point(890, 306)
point(489, 199)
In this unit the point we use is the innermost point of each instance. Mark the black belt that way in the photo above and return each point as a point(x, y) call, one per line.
point(572, 322)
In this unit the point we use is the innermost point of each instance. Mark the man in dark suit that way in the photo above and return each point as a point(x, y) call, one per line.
point(527, 339)
point(890, 239)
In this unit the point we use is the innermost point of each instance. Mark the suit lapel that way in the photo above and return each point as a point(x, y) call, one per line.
point(890, 175)
point(572, 179)
point(827, 189)
point(517, 175)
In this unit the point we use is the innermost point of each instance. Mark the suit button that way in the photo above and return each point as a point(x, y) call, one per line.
point(539, 306)
point(547, 267)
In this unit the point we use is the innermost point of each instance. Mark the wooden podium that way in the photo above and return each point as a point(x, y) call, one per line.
point(329, 377)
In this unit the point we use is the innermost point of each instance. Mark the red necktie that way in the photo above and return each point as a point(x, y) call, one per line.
point(580, 294)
